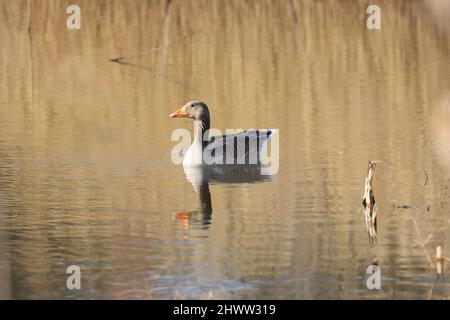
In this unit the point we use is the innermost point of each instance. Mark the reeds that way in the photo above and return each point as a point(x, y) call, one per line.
point(369, 204)
point(370, 210)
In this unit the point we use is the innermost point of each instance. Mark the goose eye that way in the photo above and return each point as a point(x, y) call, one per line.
point(192, 105)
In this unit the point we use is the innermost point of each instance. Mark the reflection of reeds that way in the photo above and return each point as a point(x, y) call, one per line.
point(370, 208)
point(447, 102)
point(444, 189)
point(30, 43)
point(439, 259)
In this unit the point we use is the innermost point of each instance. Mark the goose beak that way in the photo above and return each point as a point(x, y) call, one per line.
point(180, 113)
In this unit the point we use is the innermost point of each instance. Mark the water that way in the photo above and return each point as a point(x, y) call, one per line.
point(86, 177)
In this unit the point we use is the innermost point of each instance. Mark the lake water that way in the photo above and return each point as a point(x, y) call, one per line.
point(86, 176)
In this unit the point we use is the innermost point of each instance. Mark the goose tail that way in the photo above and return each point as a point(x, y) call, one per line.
point(267, 134)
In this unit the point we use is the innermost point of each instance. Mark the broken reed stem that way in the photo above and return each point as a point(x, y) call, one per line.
point(370, 209)
point(440, 259)
point(369, 198)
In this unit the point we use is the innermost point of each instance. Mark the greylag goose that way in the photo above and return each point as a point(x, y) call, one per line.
point(239, 148)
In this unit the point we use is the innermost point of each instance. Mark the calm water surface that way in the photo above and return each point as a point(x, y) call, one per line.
point(85, 170)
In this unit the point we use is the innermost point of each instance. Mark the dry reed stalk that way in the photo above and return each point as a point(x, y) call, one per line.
point(369, 204)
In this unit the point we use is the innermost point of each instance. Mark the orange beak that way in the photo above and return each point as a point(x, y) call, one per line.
point(180, 113)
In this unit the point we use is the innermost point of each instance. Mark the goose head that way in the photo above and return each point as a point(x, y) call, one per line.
point(196, 110)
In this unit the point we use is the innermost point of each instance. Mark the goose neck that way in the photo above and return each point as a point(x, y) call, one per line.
point(201, 128)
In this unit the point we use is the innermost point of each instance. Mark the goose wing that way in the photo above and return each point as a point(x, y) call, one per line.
point(239, 148)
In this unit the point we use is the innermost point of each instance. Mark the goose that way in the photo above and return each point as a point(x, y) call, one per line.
point(238, 148)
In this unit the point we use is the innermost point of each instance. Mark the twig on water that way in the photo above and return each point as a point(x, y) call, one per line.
point(426, 174)
point(120, 59)
point(407, 206)
point(410, 206)
point(156, 74)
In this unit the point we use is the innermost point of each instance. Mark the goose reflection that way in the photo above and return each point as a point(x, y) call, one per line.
point(202, 176)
